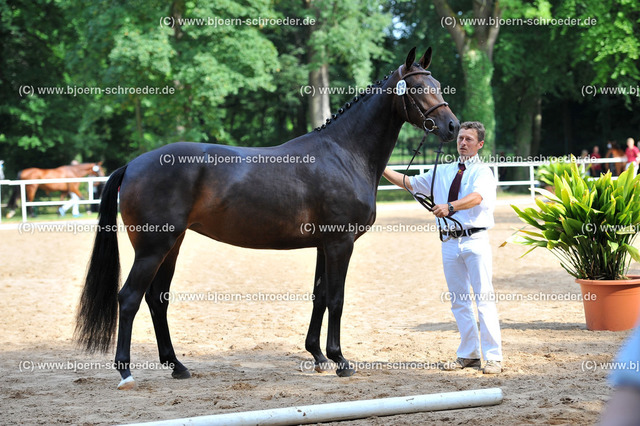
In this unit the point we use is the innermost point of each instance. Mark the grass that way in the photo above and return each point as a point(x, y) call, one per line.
point(48, 216)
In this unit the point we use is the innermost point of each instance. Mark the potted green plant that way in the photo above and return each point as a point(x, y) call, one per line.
point(546, 173)
point(590, 225)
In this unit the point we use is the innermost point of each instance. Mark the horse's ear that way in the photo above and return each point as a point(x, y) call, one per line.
point(100, 164)
point(411, 57)
point(425, 61)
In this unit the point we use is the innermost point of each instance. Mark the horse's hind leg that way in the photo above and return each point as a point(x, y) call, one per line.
point(149, 258)
point(312, 343)
point(158, 301)
point(337, 254)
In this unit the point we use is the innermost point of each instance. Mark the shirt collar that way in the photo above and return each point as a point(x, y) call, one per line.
point(472, 160)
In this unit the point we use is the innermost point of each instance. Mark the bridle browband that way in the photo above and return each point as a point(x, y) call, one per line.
point(455, 229)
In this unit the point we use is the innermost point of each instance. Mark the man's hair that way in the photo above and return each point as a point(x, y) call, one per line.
point(478, 126)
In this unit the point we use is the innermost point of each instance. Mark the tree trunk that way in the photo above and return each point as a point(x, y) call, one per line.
point(319, 109)
point(479, 104)
point(537, 127)
point(177, 11)
point(567, 128)
point(141, 143)
point(300, 121)
point(476, 51)
point(524, 134)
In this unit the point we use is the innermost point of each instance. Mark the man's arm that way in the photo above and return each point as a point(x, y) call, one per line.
point(470, 201)
point(396, 178)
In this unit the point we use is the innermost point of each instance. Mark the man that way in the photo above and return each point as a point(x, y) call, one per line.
point(632, 153)
point(596, 168)
point(466, 259)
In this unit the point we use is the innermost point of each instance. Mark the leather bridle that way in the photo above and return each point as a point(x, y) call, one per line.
point(428, 124)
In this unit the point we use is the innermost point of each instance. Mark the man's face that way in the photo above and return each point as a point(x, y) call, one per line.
point(468, 143)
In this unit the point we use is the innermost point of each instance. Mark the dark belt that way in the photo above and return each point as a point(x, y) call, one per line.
point(463, 233)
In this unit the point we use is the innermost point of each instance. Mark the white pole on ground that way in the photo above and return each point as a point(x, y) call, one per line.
point(347, 410)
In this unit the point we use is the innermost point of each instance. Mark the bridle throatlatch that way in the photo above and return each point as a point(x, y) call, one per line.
point(452, 227)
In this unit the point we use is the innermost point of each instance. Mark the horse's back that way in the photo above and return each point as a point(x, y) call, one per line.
point(31, 173)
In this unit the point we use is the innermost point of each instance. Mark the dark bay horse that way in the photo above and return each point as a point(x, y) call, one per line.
point(70, 171)
point(249, 198)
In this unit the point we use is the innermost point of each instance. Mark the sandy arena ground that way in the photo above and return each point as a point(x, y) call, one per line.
point(249, 355)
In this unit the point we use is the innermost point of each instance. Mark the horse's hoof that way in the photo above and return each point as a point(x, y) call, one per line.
point(319, 368)
point(127, 384)
point(345, 372)
point(323, 366)
point(181, 374)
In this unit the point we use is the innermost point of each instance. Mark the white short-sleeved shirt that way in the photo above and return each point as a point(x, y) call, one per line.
point(477, 177)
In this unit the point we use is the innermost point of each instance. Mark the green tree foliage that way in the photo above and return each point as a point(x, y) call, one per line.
point(34, 37)
point(612, 45)
point(171, 48)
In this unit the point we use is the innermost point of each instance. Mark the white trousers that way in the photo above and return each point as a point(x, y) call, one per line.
point(468, 265)
point(72, 204)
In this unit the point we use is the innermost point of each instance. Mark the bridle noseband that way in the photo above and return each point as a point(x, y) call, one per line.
point(454, 230)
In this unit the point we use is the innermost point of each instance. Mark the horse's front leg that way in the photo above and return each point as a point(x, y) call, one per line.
point(337, 255)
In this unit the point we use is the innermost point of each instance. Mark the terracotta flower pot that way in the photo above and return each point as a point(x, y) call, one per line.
point(612, 305)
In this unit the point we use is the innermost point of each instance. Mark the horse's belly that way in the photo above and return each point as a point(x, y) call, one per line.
point(256, 228)
point(252, 236)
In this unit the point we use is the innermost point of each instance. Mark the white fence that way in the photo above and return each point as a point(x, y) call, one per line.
point(91, 181)
point(421, 168)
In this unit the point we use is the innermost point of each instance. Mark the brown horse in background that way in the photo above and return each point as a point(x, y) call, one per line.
point(614, 151)
point(70, 171)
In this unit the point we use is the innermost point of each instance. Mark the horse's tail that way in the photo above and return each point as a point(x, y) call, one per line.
point(98, 310)
point(11, 205)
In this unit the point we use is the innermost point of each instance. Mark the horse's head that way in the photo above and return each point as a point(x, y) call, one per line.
point(96, 169)
point(420, 99)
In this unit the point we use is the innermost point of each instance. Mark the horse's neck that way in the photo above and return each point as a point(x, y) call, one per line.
point(369, 129)
point(80, 170)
